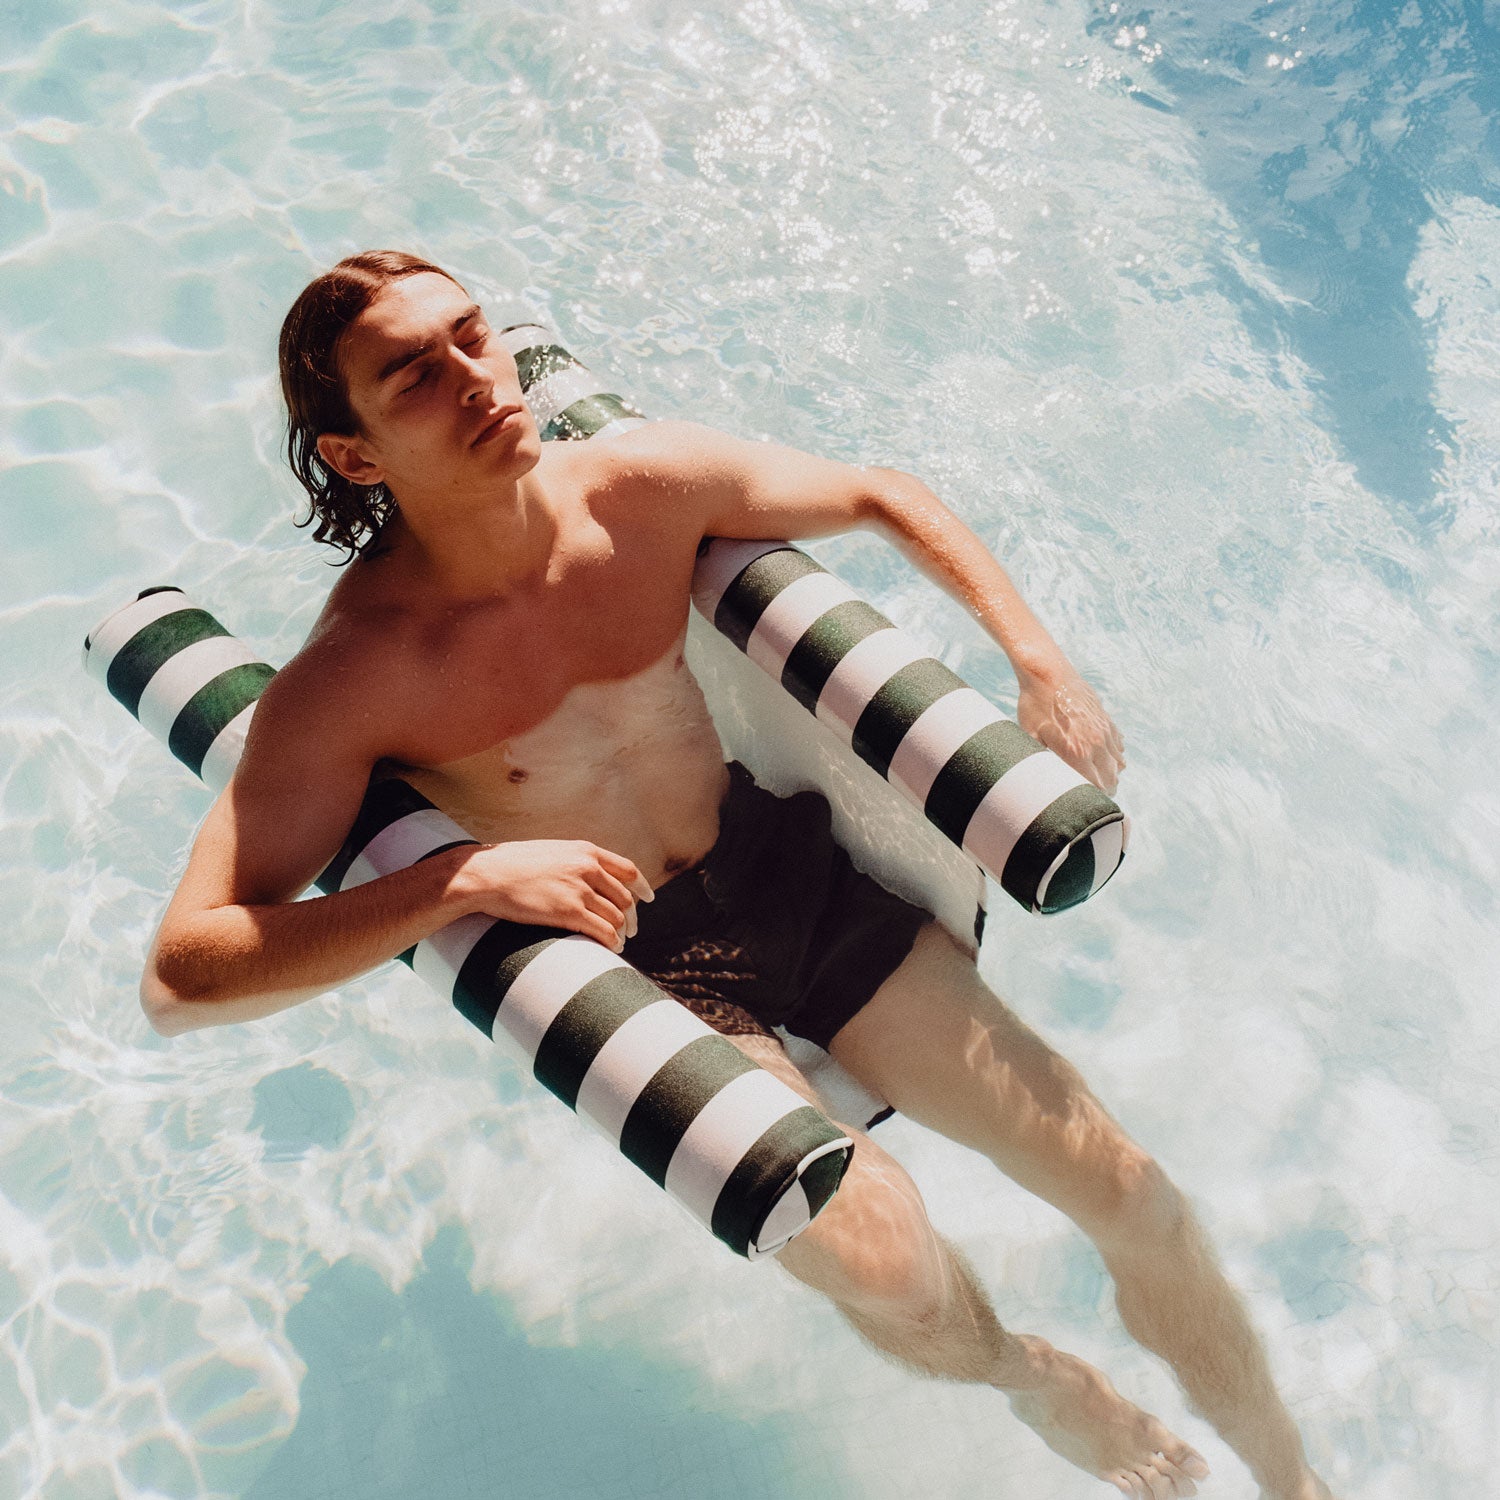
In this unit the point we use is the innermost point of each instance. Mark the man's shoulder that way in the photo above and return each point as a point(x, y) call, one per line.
point(663, 461)
point(663, 450)
point(336, 667)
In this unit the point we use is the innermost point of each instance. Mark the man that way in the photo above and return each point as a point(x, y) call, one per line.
point(510, 639)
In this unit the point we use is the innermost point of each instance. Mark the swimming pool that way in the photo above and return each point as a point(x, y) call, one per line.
point(1186, 311)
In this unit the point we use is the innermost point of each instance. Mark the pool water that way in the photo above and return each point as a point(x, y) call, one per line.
point(1189, 311)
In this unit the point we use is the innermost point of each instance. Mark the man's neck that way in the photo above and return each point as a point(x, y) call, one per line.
point(478, 547)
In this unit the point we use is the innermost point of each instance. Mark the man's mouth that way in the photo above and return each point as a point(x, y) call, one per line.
point(496, 425)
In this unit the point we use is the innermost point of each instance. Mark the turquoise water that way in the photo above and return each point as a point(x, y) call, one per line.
point(1190, 312)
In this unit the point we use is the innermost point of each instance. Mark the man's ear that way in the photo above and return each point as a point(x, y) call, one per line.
point(346, 456)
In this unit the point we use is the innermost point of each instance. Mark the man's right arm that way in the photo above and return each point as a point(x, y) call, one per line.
point(234, 945)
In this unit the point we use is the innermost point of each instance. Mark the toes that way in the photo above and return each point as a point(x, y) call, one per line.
point(1181, 1481)
point(1160, 1479)
point(1179, 1486)
point(1190, 1461)
point(1159, 1485)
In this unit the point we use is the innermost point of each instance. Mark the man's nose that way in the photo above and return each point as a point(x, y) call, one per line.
point(476, 380)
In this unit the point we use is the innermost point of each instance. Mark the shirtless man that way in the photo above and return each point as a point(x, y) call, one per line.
point(510, 639)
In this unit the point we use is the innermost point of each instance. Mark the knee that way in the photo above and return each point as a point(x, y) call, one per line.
point(898, 1277)
point(1137, 1207)
point(879, 1257)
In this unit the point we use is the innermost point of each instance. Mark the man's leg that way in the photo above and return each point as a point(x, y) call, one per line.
point(939, 1045)
point(874, 1253)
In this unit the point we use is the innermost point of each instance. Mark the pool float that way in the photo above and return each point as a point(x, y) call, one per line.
point(774, 637)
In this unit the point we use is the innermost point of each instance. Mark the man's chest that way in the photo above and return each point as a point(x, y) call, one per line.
point(594, 645)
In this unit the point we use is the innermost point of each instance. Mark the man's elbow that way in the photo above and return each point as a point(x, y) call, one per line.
point(167, 1012)
point(183, 990)
point(892, 498)
point(171, 1002)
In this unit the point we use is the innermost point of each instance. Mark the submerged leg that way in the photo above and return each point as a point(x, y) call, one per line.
point(946, 1052)
point(909, 1293)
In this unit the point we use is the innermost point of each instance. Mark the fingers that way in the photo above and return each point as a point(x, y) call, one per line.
point(1103, 749)
point(615, 892)
point(1098, 760)
point(1083, 734)
point(626, 872)
point(1114, 753)
point(618, 927)
point(1093, 763)
point(1105, 769)
point(619, 880)
point(612, 886)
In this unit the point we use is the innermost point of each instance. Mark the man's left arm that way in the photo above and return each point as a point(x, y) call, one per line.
point(750, 489)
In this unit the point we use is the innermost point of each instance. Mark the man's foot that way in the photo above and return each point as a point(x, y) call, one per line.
point(1079, 1414)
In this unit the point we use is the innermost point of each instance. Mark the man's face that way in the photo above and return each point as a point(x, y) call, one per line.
point(437, 397)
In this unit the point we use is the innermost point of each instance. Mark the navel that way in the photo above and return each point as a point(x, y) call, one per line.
point(517, 774)
point(675, 863)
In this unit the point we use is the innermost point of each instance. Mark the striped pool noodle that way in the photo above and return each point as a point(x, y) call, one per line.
point(1047, 835)
point(743, 1153)
point(567, 400)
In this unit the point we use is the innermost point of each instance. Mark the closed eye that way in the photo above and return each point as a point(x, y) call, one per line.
point(477, 342)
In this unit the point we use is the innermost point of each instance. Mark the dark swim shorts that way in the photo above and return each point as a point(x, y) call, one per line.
point(775, 926)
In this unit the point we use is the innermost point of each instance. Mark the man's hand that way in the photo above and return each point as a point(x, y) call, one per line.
point(555, 883)
point(1057, 707)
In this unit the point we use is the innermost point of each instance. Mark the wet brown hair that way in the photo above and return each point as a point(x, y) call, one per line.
point(349, 515)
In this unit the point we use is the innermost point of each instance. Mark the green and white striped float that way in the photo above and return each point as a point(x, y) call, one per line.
point(1047, 835)
point(565, 398)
